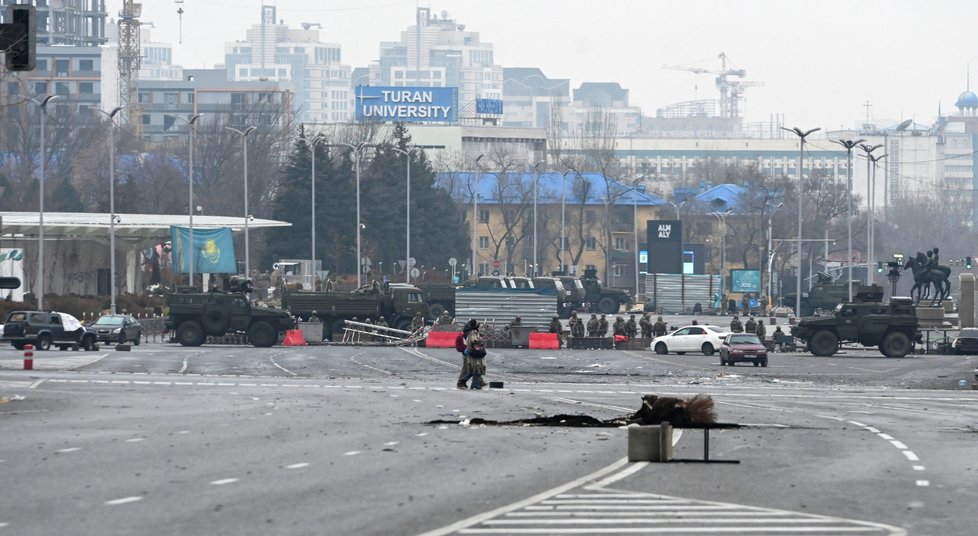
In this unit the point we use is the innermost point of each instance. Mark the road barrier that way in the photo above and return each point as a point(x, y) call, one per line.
point(544, 341)
point(441, 339)
point(28, 357)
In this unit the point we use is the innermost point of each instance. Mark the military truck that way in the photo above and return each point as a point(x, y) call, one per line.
point(576, 295)
point(195, 315)
point(564, 298)
point(601, 299)
point(396, 302)
point(440, 297)
point(824, 295)
point(890, 326)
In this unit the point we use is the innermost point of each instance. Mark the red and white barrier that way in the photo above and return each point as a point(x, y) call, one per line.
point(28, 357)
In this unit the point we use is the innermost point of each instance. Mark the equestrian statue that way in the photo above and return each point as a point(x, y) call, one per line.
point(927, 273)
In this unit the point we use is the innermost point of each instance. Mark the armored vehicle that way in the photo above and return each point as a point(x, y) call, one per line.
point(602, 299)
point(564, 299)
point(890, 326)
point(195, 315)
point(576, 295)
point(825, 295)
point(396, 302)
point(440, 297)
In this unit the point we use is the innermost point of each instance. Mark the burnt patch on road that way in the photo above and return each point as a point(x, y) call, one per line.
point(696, 411)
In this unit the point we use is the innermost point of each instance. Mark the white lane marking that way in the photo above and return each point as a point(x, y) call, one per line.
point(124, 500)
point(857, 423)
point(70, 449)
point(388, 444)
point(135, 440)
point(592, 404)
point(918, 468)
point(923, 483)
point(887, 437)
point(183, 369)
point(280, 367)
point(479, 518)
point(297, 465)
point(184, 432)
point(351, 453)
point(2, 525)
point(36, 384)
point(224, 481)
point(92, 362)
point(910, 455)
point(364, 365)
point(898, 445)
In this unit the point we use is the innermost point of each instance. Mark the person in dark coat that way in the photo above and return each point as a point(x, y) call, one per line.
point(592, 326)
point(736, 326)
point(659, 328)
point(760, 330)
point(603, 326)
point(619, 327)
point(631, 327)
point(645, 326)
point(751, 325)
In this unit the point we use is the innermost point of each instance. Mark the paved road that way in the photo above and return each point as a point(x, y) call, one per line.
point(341, 440)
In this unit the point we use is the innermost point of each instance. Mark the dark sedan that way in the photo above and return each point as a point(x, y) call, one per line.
point(966, 342)
point(743, 347)
point(118, 329)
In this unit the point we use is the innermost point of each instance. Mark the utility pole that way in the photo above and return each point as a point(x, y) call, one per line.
point(801, 190)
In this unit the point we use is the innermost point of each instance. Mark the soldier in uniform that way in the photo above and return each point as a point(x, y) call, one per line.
point(603, 326)
point(592, 326)
point(736, 326)
point(619, 326)
point(381, 322)
point(555, 327)
point(646, 326)
point(576, 325)
point(659, 328)
point(445, 319)
point(417, 322)
point(631, 328)
point(760, 330)
point(751, 325)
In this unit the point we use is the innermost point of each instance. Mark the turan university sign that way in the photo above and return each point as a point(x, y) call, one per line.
point(407, 104)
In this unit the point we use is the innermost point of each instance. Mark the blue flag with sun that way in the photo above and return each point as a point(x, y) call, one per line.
point(212, 251)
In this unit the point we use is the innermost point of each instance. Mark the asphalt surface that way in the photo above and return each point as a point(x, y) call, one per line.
point(375, 440)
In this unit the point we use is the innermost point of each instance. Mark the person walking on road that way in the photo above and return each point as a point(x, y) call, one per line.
point(473, 357)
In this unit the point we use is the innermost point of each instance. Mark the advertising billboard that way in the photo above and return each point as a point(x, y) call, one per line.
point(745, 280)
point(489, 106)
point(406, 104)
point(665, 240)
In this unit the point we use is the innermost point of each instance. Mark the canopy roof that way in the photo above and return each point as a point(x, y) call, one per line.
point(95, 224)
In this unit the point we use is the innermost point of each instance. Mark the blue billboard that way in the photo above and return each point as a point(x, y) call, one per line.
point(489, 106)
point(406, 104)
point(745, 280)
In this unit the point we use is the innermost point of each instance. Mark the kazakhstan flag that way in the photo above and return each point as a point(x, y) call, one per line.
point(212, 251)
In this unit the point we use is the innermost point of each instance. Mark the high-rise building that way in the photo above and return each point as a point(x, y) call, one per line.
point(299, 62)
point(67, 22)
point(439, 52)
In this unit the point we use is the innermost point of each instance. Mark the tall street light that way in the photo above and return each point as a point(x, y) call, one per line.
point(312, 220)
point(848, 144)
point(244, 143)
point(677, 207)
point(722, 219)
point(872, 215)
point(39, 281)
point(475, 212)
point(801, 191)
point(407, 159)
point(870, 206)
point(536, 187)
point(111, 115)
point(190, 181)
point(770, 253)
point(563, 208)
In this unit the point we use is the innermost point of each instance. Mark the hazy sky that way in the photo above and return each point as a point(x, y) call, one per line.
point(820, 61)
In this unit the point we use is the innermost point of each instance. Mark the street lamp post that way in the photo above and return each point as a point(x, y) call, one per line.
point(870, 206)
point(770, 238)
point(111, 115)
point(721, 217)
point(801, 190)
point(536, 187)
point(848, 144)
point(190, 183)
point(39, 281)
point(872, 218)
point(635, 238)
point(563, 208)
point(407, 159)
point(357, 150)
point(244, 143)
point(312, 218)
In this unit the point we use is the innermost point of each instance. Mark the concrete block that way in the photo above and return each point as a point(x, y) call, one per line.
point(966, 301)
point(650, 443)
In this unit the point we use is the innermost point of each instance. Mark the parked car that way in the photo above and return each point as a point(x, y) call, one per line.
point(966, 342)
point(698, 338)
point(45, 329)
point(743, 347)
point(118, 329)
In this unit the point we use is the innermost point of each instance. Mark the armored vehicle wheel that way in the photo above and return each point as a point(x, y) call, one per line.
point(707, 348)
point(607, 306)
point(823, 343)
point(661, 349)
point(261, 334)
point(44, 342)
point(189, 333)
point(895, 344)
point(435, 310)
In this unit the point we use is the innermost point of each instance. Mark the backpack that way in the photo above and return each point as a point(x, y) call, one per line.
point(460, 343)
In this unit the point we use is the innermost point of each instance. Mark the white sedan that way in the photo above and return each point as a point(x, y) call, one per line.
point(697, 338)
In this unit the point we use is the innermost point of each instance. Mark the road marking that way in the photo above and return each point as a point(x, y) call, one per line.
point(224, 481)
point(910, 455)
point(70, 449)
point(135, 439)
point(36, 384)
point(898, 445)
point(280, 367)
point(923, 483)
point(918, 468)
point(183, 369)
point(351, 453)
point(391, 443)
point(124, 500)
point(297, 465)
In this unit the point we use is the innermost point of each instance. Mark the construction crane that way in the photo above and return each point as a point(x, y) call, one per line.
point(129, 59)
point(731, 91)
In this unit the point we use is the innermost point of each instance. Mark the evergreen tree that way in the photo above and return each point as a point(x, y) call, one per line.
point(65, 198)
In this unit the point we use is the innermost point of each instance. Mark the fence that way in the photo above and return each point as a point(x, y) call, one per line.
point(679, 293)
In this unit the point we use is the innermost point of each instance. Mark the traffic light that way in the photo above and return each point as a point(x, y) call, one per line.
point(967, 262)
point(19, 37)
point(879, 266)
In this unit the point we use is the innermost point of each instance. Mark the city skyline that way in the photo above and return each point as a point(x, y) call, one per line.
point(871, 47)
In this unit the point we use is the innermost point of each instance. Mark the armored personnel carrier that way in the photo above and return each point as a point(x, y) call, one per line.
point(195, 315)
point(890, 326)
point(602, 299)
point(825, 295)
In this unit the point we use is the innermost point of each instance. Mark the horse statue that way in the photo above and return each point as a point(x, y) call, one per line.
point(927, 274)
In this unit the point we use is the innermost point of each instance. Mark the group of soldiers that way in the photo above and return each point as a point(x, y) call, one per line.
point(598, 327)
point(751, 326)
